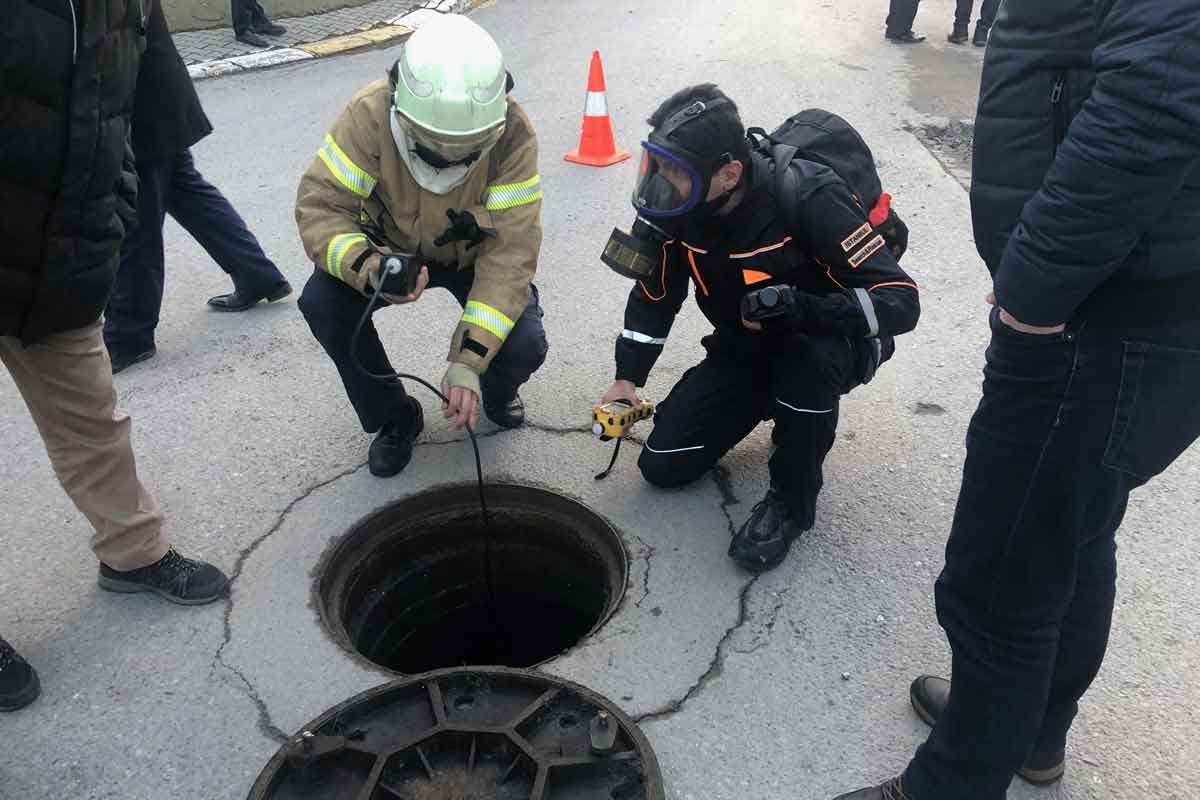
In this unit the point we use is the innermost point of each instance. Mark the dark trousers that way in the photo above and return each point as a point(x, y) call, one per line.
point(246, 14)
point(901, 14)
point(987, 12)
point(718, 402)
point(333, 309)
point(1068, 425)
point(173, 186)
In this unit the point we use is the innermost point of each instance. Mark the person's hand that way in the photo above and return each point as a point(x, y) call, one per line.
point(621, 390)
point(753, 326)
point(422, 282)
point(461, 388)
point(1014, 323)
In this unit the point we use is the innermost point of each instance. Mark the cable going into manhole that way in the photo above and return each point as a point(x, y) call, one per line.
point(397, 377)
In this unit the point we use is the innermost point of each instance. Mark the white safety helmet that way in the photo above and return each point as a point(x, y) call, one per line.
point(450, 95)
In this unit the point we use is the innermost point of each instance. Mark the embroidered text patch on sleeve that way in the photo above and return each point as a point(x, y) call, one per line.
point(872, 247)
point(851, 241)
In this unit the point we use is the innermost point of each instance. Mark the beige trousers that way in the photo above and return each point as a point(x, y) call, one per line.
point(66, 380)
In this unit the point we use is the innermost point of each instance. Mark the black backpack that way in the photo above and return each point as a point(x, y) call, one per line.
point(825, 138)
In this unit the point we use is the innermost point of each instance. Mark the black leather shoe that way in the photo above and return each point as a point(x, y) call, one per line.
point(763, 540)
point(929, 695)
point(888, 791)
point(393, 446)
point(904, 37)
point(508, 414)
point(124, 359)
point(19, 685)
point(251, 38)
point(268, 28)
point(981, 35)
point(181, 580)
point(236, 301)
point(959, 35)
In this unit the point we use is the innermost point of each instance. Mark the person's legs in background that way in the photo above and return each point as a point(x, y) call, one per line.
point(133, 309)
point(212, 221)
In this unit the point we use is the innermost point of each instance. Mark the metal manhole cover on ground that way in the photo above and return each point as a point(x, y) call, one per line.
point(423, 585)
point(467, 734)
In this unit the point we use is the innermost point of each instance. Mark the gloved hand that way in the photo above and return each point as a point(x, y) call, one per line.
point(463, 228)
point(461, 387)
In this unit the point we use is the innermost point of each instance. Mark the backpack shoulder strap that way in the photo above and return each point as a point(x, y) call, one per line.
point(787, 194)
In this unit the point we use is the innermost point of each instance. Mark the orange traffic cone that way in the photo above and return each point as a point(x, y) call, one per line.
point(596, 145)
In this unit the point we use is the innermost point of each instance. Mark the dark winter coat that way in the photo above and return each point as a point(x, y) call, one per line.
point(67, 187)
point(1086, 187)
point(167, 116)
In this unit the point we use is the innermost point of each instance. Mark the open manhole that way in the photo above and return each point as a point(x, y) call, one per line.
point(467, 734)
point(423, 585)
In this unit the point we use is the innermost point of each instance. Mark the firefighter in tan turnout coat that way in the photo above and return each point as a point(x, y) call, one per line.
point(439, 162)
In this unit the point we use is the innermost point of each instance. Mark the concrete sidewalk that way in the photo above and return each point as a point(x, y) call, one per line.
point(207, 47)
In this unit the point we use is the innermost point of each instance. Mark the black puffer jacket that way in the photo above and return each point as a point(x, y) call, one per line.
point(67, 187)
point(1086, 188)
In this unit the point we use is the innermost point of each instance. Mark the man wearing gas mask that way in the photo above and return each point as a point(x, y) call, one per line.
point(438, 165)
point(823, 294)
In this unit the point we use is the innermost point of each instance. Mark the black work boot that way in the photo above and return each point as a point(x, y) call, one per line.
point(507, 413)
point(960, 34)
point(251, 38)
point(891, 790)
point(19, 684)
point(393, 446)
point(929, 695)
point(981, 34)
point(178, 579)
point(269, 28)
point(763, 540)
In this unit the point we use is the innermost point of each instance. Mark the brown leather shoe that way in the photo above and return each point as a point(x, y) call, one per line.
point(929, 695)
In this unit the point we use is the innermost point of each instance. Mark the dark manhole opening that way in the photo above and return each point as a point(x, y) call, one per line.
point(408, 588)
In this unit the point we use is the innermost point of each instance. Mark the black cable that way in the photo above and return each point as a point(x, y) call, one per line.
point(616, 452)
point(397, 377)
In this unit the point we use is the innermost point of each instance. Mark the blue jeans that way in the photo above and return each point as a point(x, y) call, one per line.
point(333, 309)
point(1068, 425)
point(173, 186)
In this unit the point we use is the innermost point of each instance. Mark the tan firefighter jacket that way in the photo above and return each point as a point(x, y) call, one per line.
point(359, 184)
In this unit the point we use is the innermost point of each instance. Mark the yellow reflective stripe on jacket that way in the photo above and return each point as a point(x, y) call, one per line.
point(488, 318)
point(346, 171)
point(511, 195)
point(336, 251)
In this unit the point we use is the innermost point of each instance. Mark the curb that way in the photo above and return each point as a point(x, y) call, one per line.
point(385, 31)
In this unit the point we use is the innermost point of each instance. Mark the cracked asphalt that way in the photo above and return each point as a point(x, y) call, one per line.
point(787, 686)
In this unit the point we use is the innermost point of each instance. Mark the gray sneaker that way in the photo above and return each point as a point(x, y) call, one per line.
point(178, 579)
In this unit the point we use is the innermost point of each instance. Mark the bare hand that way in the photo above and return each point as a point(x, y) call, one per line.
point(754, 326)
point(463, 408)
point(422, 282)
point(621, 390)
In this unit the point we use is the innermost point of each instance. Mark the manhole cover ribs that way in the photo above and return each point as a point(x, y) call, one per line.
point(467, 734)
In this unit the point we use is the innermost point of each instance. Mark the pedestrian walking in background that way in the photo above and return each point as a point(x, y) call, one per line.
point(1091, 385)
point(167, 120)
point(251, 23)
point(962, 22)
point(67, 195)
point(901, 14)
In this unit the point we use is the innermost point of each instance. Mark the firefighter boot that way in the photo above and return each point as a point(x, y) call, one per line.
point(763, 540)
point(393, 446)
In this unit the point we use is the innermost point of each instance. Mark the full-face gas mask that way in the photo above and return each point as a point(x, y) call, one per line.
point(673, 182)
